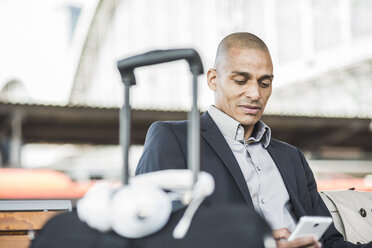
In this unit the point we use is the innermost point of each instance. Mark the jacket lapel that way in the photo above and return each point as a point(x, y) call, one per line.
point(214, 137)
point(287, 171)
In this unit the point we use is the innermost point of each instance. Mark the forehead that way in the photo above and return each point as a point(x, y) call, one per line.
point(249, 60)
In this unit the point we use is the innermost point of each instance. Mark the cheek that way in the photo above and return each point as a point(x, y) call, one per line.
point(229, 94)
point(234, 92)
point(266, 95)
point(232, 97)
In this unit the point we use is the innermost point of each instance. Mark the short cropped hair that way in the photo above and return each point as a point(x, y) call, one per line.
point(238, 40)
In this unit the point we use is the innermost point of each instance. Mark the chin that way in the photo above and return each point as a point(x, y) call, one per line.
point(250, 122)
point(247, 123)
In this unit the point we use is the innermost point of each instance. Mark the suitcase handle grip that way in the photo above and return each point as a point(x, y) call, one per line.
point(126, 66)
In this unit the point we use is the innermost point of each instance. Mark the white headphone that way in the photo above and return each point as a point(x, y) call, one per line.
point(143, 207)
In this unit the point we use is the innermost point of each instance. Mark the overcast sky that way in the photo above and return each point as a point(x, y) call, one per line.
point(34, 46)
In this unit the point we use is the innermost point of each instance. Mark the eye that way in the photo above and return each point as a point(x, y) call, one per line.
point(240, 82)
point(265, 83)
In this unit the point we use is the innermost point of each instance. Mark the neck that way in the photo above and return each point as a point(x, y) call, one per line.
point(248, 131)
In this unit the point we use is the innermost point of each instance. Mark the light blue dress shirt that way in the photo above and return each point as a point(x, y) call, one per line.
point(267, 189)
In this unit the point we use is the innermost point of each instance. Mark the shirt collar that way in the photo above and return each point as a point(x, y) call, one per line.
point(233, 129)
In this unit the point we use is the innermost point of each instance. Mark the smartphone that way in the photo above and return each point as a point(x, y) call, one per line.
point(311, 226)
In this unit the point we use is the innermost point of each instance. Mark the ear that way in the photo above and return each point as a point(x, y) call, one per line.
point(212, 79)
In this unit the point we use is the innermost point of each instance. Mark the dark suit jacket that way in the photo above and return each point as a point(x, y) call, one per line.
point(166, 148)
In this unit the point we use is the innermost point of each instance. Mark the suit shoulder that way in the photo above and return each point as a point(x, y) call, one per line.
point(166, 125)
point(164, 147)
point(160, 131)
point(283, 145)
point(162, 124)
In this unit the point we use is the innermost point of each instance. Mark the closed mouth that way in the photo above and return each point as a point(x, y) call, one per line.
point(250, 109)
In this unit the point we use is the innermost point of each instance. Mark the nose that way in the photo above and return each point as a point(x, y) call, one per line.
point(252, 91)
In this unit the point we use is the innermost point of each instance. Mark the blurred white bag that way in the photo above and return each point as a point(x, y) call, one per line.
point(144, 206)
point(352, 213)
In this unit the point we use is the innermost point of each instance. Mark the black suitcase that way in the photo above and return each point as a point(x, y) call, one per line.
point(212, 226)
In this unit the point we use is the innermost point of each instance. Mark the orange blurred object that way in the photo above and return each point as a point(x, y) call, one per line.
point(359, 184)
point(17, 183)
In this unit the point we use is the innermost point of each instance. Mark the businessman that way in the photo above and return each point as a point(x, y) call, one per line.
point(248, 165)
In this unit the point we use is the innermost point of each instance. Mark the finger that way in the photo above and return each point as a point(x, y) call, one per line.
point(289, 244)
point(304, 242)
point(316, 244)
point(282, 233)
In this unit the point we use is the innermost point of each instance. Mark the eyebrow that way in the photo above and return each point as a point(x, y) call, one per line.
point(248, 75)
point(242, 73)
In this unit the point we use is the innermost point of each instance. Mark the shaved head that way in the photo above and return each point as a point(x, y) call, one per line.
point(238, 40)
point(242, 78)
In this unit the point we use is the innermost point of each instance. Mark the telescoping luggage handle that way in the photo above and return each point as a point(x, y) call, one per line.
point(126, 68)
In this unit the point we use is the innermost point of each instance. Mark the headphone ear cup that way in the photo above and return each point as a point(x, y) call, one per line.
point(94, 207)
point(138, 211)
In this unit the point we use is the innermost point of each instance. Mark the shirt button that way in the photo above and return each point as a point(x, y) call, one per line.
point(258, 168)
point(263, 201)
point(239, 131)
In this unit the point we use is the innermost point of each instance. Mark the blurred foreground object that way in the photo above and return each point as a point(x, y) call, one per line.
point(217, 226)
point(131, 212)
point(107, 207)
point(144, 206)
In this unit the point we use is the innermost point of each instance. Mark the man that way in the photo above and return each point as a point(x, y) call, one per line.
point(237, 149)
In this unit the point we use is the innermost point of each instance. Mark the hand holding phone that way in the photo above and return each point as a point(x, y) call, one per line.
point(311, 226)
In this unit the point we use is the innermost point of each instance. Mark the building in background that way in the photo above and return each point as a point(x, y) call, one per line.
point(320, 48)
